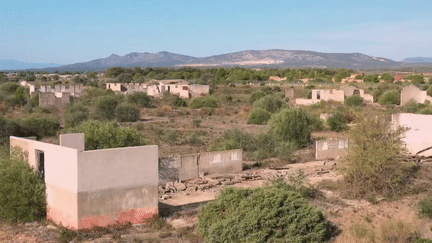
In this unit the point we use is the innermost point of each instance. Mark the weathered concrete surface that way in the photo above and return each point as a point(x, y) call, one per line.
point(412, 93)
point(54, 99)
point(98, 187)
point(331, 148)
point(192, 166)
point(419, 135)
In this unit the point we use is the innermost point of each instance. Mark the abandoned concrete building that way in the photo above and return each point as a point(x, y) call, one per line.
point(97, 187)
point(412, 93)
point(157, 88)
point(55, 96)
point(338, 95)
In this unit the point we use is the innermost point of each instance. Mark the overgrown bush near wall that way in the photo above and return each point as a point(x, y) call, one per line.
point(22, 191)
point(390, 97)
point(75, 113)
point(205, 101)
point(105, 107)
point(261, 215)
point(38, 126)
point(103, 135)
point(258, 116)
point(140, 98)
point(337, 122)
point(354, 100)
point(125, 112)
point(178, 102)
point(374, 163)
point(270, 103)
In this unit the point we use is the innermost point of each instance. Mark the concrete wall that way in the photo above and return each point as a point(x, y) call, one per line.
point(289, 93)
point(331, 148)
point(197, 90)
point(54, 99)
point(122, 182)
point(192, 166)
point(328, 94)
point(98, 187)
point(412, 93)
point(419, 135)
point(300, 101)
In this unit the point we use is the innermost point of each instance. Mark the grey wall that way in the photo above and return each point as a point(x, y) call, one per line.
point(331, 148)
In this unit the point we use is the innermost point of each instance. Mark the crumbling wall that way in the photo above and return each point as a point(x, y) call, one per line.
point(412, 93)
point(54, 99)
point(197, 90)
point(331, 148)
point(192, 166)
point(419, 133)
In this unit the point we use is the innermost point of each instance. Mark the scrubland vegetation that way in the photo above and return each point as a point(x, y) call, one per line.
point(244, 111)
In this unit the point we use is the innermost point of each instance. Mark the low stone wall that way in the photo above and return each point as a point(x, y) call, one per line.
point(331, 148)
point(192, 166)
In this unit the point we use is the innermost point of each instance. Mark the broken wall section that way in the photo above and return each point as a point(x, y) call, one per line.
point(331, 148)
point(192, 166)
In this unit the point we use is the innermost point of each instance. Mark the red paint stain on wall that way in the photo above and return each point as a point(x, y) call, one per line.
point(135, 216)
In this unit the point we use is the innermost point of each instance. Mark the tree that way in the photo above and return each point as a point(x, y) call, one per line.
point(105, 107)
point(354, 100)
point(390, 97)
point(417, 78)
point(140, 98)
point(258, 116)
point(374, 163)
point(371, 78)
point(22, 191)
point(75, 113)
point(270, 103)
point(127, 113)
point(103, 135)
point(387, 77)
point(337, 122)
point(293, 125)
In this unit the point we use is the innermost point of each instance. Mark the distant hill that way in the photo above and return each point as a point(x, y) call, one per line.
point(17, 65)
point(418, 60)
point(252, 58)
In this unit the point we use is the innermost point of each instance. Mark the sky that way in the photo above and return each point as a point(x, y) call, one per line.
point(67, 32)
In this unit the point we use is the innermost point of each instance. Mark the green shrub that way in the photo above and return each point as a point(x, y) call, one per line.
point(235, 138)
point(371, 78)
point(293, 125)
point(337, 122)
point(103, 135)
point(354, 100)
point(75, 113)
point(178, 102)
point(196, 122)
point(38, 126)
point(22, 192)
point(423, 241)
point(390, 97)
point(429, 91)
point(387, 77)
point(270, 103)
point(374, 163)
point(140, 98)
point(284, 151)
point(105, 107)
point(413, 107)
point(256, 96)
point(358, 76)
point(206, 101)
point(426, 110)
point(9, 87)
point(127, 113)
point(258, 116)
point(415, 78)
point(172, 137)
point(261, 215)
point(425, 206)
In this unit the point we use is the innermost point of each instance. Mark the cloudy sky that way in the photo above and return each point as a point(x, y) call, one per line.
point(78, 31)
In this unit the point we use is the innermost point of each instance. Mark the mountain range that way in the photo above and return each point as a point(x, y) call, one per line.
point(251, 58)
point(14, 65)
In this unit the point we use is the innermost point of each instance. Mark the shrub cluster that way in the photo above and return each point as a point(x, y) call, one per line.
point(390, 97)
point(125, 112)
point(140, 98)
point(205, 101)
point(261, 215)
point(22, 191)
point(337, 122)
point(258, 116)
point(354, 100)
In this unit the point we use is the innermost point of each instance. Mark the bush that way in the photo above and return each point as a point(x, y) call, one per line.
point(103, 135)
point(390, 97)
point(178, 102)
point(256, 96)
point(38, 126)
point(293, 125)
point(261, 215)
point(374, 163)
point(105, 107)
point(425, 206)
point(371, 78)
point(127, 113)
point(387, 77)
point(22, 192)
point(417, 78)
point(172, 137)
point(354, 100)
point(196, 122)
point(426, 111)
point(337, 122)
point(413, 107)
point(235, 138)
point(270, 103)
point(75, 113)
point(9, 87)
point(140, 98)
point(206, 101)
point(258, 116)
point(358, 76)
